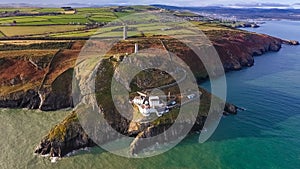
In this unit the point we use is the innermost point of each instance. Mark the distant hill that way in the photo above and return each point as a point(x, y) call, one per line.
point(243, 13)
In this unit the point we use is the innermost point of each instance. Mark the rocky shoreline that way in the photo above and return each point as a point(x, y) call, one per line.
point(69, 135)
point(236, 50)
point(76, 139)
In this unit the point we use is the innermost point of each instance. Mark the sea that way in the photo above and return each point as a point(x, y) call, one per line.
point(266, 135)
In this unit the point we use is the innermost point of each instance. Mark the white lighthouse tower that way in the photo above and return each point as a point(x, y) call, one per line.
point(136, 48)
point(125, 32)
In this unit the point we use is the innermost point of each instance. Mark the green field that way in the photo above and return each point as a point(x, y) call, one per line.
point(36, 30)
point(82, 16)
point(45, 20)
point(89, 21)
point(85, 33)
point(63, 25)
point(47, 10)
point(117, 34)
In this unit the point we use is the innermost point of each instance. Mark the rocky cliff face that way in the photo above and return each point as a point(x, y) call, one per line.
point(64, 138)
point(69, 135)
point(37, 79)
point(29, 99)
point(237, 49)
point(46, 84)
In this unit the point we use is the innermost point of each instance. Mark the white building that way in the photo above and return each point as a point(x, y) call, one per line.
point(191, 96)
point(148, 105)
point(154, 102)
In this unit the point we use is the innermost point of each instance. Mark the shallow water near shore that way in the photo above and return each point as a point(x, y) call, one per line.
point(266, 135)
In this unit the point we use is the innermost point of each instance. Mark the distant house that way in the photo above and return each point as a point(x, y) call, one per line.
point(68, 8)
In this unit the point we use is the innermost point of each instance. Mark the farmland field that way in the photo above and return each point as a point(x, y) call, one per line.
point(86, 22)
point(45, 20)
point(117, 34)
point(85, 33)
point(82, 16)
point(34, 30)
point(47, 10)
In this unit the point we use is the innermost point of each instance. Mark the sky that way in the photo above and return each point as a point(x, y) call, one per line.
point(147, 2)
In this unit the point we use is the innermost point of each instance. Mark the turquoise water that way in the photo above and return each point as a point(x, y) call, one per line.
point(266, 135)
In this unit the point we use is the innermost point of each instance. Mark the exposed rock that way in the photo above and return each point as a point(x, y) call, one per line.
point(291, 42)
point(29, 99)
point(230, 109)
point(69, 135)
point(234, 54)
point(238, 50)
point(64, 138)
point(154, 130)
point(58, 96)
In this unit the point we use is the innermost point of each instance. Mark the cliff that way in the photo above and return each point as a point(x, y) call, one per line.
point(42, 80)
point(237, 48)
point(69, 135)
point(37, 79)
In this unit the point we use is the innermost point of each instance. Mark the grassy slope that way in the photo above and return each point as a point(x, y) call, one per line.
point(16, 64)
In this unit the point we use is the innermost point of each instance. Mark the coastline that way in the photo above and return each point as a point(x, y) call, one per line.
point(236, 59)
point(237, 51)
point(57, 149)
